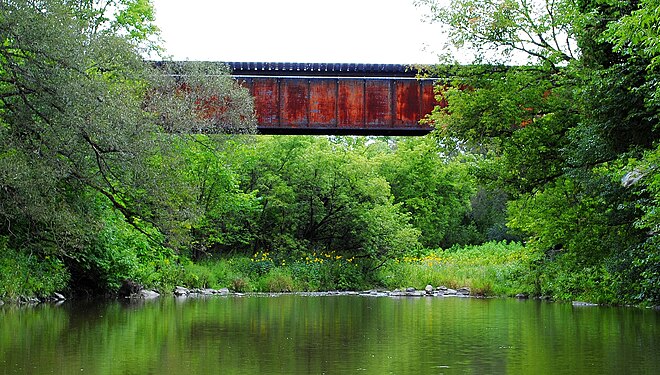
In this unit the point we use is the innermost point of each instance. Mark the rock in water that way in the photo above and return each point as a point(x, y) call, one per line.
point(148, 294)
point(465, 291)
point(429, 289)
point(129, 288)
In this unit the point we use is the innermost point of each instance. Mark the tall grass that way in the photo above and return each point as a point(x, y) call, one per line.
point(495, 268)
point(262, 273)
point(489, 269)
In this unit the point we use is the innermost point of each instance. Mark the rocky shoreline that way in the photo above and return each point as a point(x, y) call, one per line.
point(134, 291)
point(429, 291)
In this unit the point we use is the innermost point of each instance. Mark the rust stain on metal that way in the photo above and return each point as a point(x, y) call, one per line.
point(266, 102)
point(378, 103)
point(351, 103)
point(294, 102)
point(308, 99)
point(428, 98)
point(323, 102)
point(407, 103)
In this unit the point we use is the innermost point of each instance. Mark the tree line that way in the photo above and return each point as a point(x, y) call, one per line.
point(111, 169)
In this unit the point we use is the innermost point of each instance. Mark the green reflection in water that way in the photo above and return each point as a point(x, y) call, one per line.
point(332, 335)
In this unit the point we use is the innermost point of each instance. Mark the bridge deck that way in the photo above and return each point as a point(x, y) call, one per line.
point(355, 99)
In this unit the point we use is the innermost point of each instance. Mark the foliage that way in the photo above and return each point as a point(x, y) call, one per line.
point(434, 190)
point(559, 134)
point(80, 132)
point(639, 268)
point(514, 119)
point(277, 280)
point(494, 268)
point(24, 274)
point(564, 279)
point(490, 269)
point(329, 271)
point(494, 30)
point(199, 97)
point(636, 34)
point(101, 179)
point(226, 214)
point(317, 194)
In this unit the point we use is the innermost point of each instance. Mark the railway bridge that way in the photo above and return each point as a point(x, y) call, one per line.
point(337, 99)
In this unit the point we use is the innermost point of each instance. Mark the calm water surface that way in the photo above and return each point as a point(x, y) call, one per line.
point(328, 335)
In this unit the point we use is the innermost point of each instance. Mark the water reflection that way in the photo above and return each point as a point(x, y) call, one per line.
point(332, 335)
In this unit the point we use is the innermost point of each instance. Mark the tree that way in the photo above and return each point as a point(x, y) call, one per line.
point(323, 195)
point(81, 131)
point(496, 30)
point(436, 191)
point(557, 132)
point(635, 37)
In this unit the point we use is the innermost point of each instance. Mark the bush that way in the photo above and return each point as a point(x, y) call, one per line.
point(277, 280)
point(25, 274)
point(241, 284)
point(563, 279)
point(199, 276)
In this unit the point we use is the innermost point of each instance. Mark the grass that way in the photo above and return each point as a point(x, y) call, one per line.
point(489, 269)
point(263, 273)
point(24, 275)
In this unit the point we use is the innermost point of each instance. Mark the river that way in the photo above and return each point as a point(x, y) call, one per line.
point(293, 334)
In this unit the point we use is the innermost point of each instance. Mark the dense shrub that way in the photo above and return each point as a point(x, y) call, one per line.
point(24, 274)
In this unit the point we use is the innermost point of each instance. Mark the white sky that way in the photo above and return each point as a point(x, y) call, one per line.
point(331, 31)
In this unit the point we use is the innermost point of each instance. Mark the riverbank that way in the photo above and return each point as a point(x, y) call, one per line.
point(429, 291)
point(495, 269)
point(492, 269)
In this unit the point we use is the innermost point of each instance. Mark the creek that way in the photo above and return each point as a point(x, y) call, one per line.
point(296, 334)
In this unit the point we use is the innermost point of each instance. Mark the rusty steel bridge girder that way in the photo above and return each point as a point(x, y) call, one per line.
point(337, 99)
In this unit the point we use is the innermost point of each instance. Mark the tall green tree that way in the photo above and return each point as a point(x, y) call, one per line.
point(435, 190)
point(82, 129)
point(558, 132)
point(318, 194)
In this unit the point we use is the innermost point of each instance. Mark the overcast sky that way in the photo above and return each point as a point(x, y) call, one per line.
point(332, 31)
